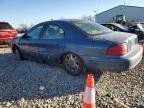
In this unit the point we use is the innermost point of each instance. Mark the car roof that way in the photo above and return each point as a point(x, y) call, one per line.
point(64, 20)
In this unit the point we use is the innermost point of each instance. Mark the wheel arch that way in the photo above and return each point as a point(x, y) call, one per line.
point(13, 48)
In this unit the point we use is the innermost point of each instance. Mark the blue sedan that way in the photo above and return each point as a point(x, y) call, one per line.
point(79, 46)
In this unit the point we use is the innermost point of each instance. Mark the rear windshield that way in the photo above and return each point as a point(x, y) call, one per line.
point(5, 26)
point(91, 28)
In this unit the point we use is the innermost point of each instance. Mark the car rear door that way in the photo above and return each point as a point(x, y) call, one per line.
point(28, 43)
point(51, 45)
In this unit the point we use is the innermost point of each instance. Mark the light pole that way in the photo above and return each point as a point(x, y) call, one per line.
point(95, 12)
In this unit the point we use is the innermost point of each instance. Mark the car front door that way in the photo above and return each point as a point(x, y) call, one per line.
point(51, 45)
point(28, 43)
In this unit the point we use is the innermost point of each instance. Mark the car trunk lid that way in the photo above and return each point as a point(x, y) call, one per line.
point(115, 38)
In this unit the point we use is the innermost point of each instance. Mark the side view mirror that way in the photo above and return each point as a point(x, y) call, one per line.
point(26, 36)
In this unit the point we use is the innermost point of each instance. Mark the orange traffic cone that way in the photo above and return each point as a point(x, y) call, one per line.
point(89, 95)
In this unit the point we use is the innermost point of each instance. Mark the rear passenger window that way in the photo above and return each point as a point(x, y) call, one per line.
point(53, 32)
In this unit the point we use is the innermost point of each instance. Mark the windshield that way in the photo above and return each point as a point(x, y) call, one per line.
point(91, 28)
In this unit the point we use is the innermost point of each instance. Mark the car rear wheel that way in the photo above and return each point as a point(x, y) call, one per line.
point(73, 64)
point(18, 54)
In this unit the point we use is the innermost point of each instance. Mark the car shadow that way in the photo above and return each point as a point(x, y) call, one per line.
point(32, 80)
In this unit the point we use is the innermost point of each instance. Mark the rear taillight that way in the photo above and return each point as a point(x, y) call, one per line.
point(12, 33)
point(119, 49)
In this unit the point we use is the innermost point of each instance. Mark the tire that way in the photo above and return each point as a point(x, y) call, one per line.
point(73, 64)
point(17, 53)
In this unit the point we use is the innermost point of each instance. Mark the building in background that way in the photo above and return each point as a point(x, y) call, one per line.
point(121, 12)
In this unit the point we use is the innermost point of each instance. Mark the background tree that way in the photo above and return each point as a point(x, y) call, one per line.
point(22, 28)
point(89, 17)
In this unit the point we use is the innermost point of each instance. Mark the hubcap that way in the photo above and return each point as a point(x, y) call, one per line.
point(72, 62)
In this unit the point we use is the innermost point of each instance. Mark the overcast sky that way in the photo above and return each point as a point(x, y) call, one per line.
point(34, 11)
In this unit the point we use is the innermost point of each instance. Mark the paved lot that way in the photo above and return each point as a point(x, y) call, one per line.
point(29, 84)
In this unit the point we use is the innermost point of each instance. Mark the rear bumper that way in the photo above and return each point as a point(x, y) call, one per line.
point(115, 63)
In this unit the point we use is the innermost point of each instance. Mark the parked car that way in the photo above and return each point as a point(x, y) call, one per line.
point(135, 28)
point(138, 29)
point(79, 45)
point(7, 32)
point(116, 27)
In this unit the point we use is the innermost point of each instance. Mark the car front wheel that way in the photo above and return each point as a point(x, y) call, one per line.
point(73, 64)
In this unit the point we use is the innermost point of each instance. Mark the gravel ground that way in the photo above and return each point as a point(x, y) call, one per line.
point(29, 84)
